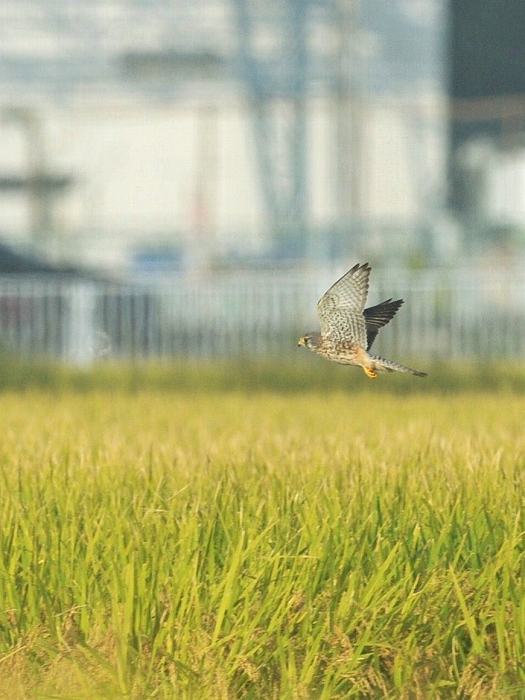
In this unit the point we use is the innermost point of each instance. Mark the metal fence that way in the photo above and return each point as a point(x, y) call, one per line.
point(448, 314)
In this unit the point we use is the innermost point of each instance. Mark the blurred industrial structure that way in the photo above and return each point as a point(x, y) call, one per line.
point(150, 135)
point(213, 163)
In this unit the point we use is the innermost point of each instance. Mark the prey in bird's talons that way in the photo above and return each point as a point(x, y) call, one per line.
point(348, 329)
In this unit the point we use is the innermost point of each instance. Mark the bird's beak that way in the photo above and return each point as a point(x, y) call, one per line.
point(300, 342)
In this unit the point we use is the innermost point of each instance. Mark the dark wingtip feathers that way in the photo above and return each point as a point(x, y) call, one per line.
point(360, 266)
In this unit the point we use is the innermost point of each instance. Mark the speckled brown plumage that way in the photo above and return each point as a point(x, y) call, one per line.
point(348, 329)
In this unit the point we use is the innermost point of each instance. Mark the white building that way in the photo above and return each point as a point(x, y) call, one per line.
point(163, 152)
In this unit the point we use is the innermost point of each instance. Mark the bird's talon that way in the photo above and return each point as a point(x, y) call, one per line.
point(370, 373)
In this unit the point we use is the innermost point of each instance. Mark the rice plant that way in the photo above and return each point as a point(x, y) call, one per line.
point(235, 544)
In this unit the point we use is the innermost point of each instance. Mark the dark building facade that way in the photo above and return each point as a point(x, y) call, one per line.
point(487, 91)
point(487, 47)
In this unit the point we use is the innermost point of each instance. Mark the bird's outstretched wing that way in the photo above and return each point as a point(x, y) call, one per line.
point(340, 308)
point(378, 316)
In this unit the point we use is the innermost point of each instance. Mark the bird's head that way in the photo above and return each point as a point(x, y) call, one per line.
point(310, 340)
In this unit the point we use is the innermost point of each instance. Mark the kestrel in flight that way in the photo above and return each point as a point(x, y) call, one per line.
point(348, 329)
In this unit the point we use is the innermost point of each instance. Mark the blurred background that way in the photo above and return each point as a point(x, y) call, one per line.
point(184, 179)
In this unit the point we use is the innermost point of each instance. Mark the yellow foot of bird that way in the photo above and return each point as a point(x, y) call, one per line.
point(371, 373)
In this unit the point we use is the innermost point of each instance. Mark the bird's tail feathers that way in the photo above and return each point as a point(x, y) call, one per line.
point(383, 365)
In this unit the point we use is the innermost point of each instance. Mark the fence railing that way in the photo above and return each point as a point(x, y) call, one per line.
point(448, 314)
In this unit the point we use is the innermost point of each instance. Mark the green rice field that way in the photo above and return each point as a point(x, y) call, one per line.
point(297, 532)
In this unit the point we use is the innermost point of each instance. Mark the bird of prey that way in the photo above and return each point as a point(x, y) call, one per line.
point(348, 329)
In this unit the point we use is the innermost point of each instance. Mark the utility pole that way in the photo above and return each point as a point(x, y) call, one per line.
point(205, 192)
point(348, 125)
point(41, 185)
point(40, 215)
